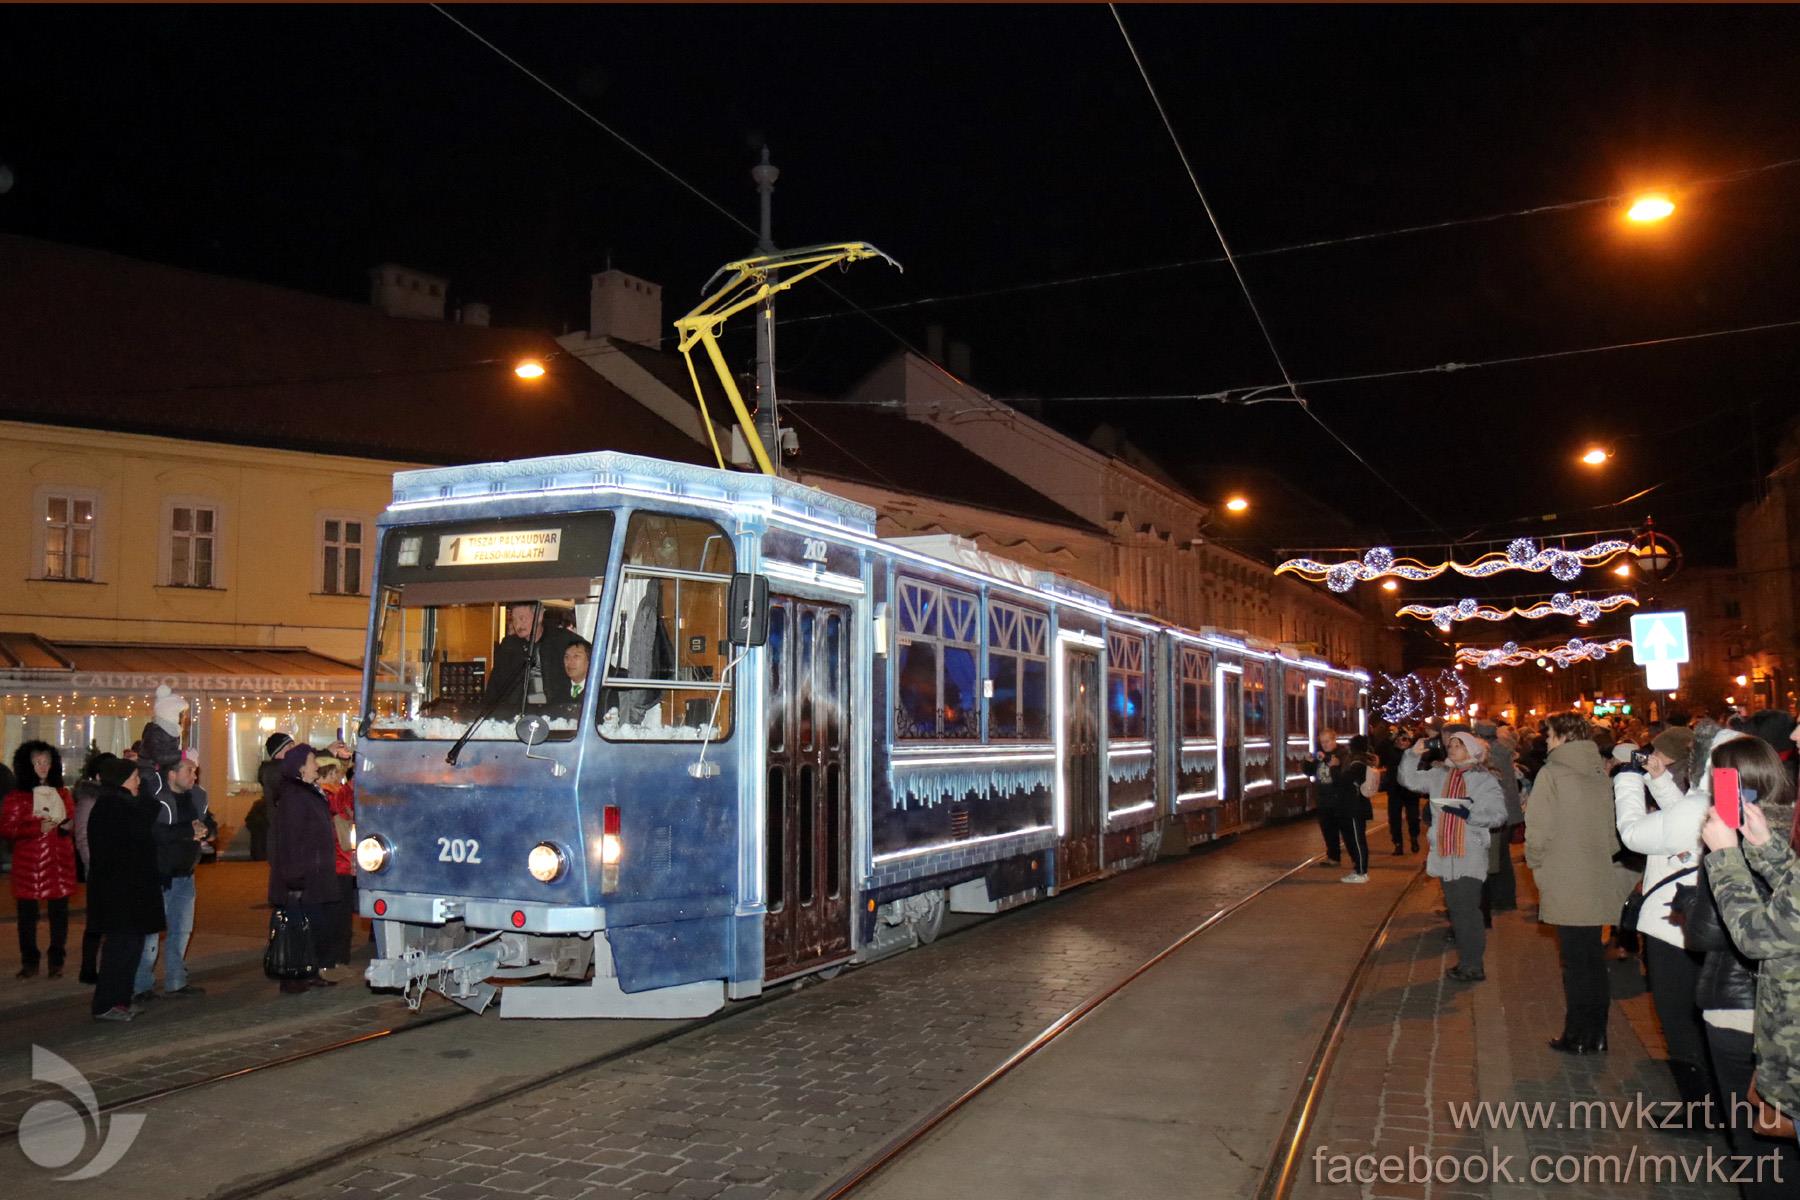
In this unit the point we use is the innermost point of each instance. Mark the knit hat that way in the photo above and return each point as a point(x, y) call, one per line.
point(169, 708)
point(276, 743)
point(1674, 744)
point(1624, 750)
point(1475, 746)
point(114, 772)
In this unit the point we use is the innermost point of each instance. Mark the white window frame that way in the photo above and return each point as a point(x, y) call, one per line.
point(321, 545)
point(220, 540)
point(40, 539)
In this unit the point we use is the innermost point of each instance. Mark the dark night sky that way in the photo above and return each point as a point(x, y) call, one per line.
point(985, 147)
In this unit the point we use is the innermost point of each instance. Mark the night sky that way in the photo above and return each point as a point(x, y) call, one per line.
point(992, 147)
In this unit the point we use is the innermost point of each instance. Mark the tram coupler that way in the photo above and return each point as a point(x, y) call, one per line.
point(460, 974)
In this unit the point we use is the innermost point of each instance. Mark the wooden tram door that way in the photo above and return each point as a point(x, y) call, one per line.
point(1231, 749)
point(807, 846)
point(1078, 851)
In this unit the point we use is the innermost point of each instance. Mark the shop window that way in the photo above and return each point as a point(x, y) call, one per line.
point(1019, 667)
point(341, 555)
point(1126, 694)
point(193, 531)
point(68, 536)
point(936, 636)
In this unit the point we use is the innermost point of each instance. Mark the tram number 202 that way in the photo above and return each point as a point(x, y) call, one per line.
point(462, 850)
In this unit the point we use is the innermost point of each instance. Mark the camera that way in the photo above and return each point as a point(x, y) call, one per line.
point(1638, 764)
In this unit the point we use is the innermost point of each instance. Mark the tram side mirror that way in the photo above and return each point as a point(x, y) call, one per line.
point(747, 610)
point(532, 730)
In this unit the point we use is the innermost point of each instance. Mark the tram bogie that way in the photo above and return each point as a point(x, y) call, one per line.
point(606, 770)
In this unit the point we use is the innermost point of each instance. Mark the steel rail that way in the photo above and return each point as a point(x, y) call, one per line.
point(1278, 1179)
point(899, 1145)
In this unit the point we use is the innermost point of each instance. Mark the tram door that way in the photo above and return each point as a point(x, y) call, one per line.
point(1231, 749)
point(1078, 853)
point(807, 887)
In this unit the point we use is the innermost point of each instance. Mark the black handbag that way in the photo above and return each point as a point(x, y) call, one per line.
point(1634, 903)
point(291, 953)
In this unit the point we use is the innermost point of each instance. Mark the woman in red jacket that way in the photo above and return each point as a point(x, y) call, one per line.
point(39, 818)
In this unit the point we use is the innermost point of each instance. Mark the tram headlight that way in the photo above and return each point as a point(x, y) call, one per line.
point(372, 853)
point(546, 862)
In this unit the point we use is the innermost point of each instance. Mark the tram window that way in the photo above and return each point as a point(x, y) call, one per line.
point(808, 851)
point(775, 852)
point(1003, 707)
point(491, 650)
point(1196, 693)
point(1295, 717)
point(915, 714)
point(1034, 698)
point(1125, 691)
point(834, 825)
point(805, 675)
point(834, 700)
point(936, 641)
point(1256, 701)
point(667, 650)
point(777, 677)
point(961, 695)
point(1019, 670)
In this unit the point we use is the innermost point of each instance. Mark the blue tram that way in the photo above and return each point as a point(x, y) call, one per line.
point(656, 736)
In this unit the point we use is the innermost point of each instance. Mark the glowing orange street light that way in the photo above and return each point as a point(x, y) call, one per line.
point(1647, 210)
point(529, 368)
point(1237, 504)
point(1623, 570)
point(1596, 456)
point(1390, 585)
point(1742, 680)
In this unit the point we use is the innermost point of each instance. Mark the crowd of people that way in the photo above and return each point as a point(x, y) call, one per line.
point(1623, 837)
point(134, 829)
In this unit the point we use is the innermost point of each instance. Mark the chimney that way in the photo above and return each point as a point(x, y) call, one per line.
point(475, 313)
point(959, 360)
point(625, 307)
point(934, 343)
point(403, 292)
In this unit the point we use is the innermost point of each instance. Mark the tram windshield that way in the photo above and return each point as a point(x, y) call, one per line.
point(460, 658)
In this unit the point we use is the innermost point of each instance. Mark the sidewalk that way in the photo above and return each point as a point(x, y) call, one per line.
point(1418, 1044)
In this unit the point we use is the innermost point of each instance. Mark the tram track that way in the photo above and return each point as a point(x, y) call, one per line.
point(1279, 1177)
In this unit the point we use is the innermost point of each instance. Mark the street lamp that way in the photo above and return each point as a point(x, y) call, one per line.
point(1596, 456)
point(528, 368)
point(1237, 504)
point(1649, 209)
point(1390, 585)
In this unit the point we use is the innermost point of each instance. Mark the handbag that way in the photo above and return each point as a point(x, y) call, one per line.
point(1634, 903)
point(1766, 1117)
point(291, 954)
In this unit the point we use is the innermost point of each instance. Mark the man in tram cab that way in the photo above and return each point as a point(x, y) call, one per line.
point(576, 659)
point(528, 661)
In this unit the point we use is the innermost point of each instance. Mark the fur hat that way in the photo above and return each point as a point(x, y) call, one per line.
point(114, 772)
point(1674, 744)
point(169, 708)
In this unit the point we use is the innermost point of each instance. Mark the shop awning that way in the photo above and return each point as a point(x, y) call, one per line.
point(28, 662)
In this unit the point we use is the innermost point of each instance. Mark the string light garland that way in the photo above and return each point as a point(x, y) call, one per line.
point(1514, 655)
point(1560, 605)
point(1418, 694)
point(1521, 554)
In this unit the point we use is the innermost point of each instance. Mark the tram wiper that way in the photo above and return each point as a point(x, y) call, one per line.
point(500, 694)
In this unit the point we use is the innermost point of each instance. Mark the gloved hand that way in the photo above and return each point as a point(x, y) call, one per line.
point(1461, 810)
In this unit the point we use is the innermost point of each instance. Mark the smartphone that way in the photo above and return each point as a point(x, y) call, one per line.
point(1726, 798)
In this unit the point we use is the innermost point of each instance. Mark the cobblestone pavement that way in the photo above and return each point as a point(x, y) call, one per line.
point(779, 1101)
point(1418, 1045)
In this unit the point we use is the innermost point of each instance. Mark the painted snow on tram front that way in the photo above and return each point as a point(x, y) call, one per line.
point(932, 783)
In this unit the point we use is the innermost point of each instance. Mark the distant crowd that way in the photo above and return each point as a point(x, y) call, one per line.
point(1630, 853)
point(134, 829)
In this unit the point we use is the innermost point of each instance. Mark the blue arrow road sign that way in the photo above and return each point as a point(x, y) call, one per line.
point(1659, 638)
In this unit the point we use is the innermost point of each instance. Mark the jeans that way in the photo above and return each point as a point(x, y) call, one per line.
point(58, 911)
point(1463, 898)
point(1587, 993)
point(178, 912)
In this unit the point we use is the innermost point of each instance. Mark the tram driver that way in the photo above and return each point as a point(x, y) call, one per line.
point(529, 661)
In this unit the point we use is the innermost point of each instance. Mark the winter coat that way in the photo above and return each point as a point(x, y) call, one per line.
point(343, 804)
point(1769, 932)
point(1727, 980)
point(172, 827)
point(1669, 840)
point(124, 891)
point(86, 792)
point(1487, 810)
point(302, 850)
point(1570, 840)
point(1504, 764)
point(43, 866)
point(1330, 771)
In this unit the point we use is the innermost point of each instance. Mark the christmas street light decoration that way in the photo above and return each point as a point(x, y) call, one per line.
point(1560, 605)
point(1575, 650)
point(1521, 554)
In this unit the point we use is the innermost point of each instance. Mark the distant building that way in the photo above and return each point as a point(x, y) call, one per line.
point(1768, 558)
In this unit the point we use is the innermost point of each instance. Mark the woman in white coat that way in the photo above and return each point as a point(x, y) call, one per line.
point(1668, 837)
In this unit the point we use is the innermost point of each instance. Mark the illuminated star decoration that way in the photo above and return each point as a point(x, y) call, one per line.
point(1514, 655)
point(1560, 605)
point(1521, 554)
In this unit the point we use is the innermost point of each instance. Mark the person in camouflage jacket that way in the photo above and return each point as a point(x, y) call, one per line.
point(1767, 930)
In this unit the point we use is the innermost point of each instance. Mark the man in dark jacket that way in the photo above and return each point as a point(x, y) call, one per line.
point(303, 857)
point(1403, 802)
point(261, 816)
point(1327, 765)
point(178, 825)
point(124, 901)
point(528, 661)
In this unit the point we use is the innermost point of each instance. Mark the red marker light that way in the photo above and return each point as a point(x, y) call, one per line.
point(518, 920)
point(381, 908)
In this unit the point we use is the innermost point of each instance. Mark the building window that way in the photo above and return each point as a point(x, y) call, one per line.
point(1019, 668)
point(192, 530)
point(343, 556)
point(68, 537)
point(936, 650)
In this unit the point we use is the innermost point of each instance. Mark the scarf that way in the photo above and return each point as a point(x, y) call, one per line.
point(1451, 829)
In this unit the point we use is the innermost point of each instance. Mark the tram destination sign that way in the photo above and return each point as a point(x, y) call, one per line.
point(491, 549)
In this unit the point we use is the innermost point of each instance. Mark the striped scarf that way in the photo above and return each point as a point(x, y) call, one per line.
point(1452, 829)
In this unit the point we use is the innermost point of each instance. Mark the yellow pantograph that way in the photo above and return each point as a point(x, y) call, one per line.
point(748, 286)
